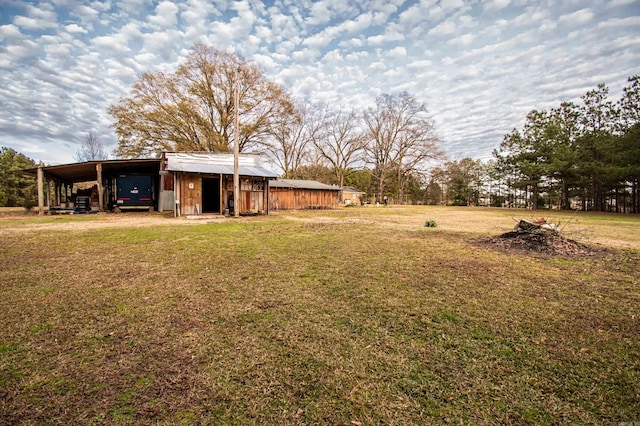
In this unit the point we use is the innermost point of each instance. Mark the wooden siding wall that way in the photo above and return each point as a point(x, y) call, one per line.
point(190, 193)
point(299, 199)
point(252, 194)
point(251, 201)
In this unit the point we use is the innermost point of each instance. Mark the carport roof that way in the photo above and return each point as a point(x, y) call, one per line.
point(86, 171)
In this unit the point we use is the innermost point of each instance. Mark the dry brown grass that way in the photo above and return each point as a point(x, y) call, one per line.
point(334, 317)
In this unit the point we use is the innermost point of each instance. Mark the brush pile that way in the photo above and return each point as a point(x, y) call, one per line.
point(537, 237)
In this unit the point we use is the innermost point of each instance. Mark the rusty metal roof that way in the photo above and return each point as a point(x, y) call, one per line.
point(86, 171)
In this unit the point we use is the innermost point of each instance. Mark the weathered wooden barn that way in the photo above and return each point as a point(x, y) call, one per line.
point(185, 183)
point(292, 194)
point(196, 183)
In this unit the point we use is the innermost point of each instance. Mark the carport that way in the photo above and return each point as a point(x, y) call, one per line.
point(59, 180)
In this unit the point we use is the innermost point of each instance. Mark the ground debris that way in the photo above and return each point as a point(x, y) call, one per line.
point(540, 225)
point(545, 243)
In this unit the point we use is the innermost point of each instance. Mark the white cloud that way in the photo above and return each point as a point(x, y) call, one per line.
point(357, 56)
point(358, 25)
point(397, 52)
point(162, 43)
point(333, 58)
point(115, 43)
point(75, 29)
point(86, 14)
point(494, 5)
point(319, 40)
point(166, 15)
point(30, 23)
point(618, 3)
point(266, 62)
point(579, 17)
point(443, 28)
point(379, 40)
point(27, 50)
point(353, 42)
point(421, 64)
point(10, 32)
point(305, 55)
point(632, 22)
point(463, 40)
point(320, 14)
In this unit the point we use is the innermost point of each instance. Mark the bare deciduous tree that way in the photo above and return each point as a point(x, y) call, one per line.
point(288, 144)
point(401, 138)
point(193, 109)
point(339, 141)
point(91, 150)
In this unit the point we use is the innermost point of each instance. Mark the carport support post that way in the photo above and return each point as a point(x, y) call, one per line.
point(100, 188)
point(40, 177)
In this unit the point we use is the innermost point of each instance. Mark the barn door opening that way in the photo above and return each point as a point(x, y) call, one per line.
point(211, 195)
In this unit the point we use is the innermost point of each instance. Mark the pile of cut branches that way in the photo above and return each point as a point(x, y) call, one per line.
point(538, 237)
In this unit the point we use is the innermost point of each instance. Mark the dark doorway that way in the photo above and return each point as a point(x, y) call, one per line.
point(210, 195)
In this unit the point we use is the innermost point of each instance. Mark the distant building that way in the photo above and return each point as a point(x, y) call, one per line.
point(351, 195)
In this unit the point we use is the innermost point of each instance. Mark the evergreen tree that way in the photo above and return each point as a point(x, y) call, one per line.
point(17, 189)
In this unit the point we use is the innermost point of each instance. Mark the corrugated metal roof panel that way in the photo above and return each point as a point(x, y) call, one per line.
point(301, 184)
point(248, 165)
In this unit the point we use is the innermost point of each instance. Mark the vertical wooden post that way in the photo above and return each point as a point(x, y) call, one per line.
point(221, 192)
point(178, 194)
point(49, 193)
point(265, 195)
point(40, 177)
point(100, 188)
point(56, 193)
point(236, 148)
point(161, 194)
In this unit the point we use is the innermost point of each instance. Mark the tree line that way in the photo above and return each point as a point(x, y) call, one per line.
point(586, 152)
point(578, 155)
point(574, 156)
point(382, 150)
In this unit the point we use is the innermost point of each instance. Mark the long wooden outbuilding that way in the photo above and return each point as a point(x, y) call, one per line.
point(294, 194)
point(185, 183)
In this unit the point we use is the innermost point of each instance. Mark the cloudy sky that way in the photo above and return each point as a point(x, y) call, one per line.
point(478, 65)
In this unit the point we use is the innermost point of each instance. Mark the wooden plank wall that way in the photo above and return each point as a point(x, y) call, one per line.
point(251, 201)
point(190, 193)
point(300, 199)
point(252, 195)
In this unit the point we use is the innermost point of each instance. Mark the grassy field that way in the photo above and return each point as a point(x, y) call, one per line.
point(348, 317)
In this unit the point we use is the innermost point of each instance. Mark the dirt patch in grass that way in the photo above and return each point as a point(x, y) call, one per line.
point(540, 243)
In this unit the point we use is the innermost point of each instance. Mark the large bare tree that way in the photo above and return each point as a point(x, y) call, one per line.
point(401, 139)
point(288, 145)
point(340, 140)
point(192, 109)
